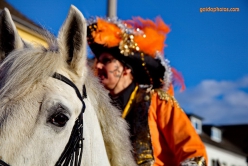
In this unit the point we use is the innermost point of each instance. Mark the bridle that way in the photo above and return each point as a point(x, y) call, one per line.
point(73, 151)
point(72, 154)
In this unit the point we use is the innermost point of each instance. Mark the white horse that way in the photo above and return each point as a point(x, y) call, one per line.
point(39, 107)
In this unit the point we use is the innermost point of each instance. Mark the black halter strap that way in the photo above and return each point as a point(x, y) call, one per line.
point(72, 154)
point(2, 163)
point(73, 151)
point(67, 81)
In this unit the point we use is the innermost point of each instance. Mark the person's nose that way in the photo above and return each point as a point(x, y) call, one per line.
point(99, 65)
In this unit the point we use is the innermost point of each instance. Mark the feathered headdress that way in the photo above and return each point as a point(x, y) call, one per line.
point(138, 43)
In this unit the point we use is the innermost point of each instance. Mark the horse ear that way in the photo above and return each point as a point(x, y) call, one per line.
point(72, 37)
point(9, 37)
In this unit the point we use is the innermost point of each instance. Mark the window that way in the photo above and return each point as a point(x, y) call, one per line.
point(216, 162)
point(216, 134)
point(197, 124)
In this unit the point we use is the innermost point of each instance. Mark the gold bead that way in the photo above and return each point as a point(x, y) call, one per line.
point(146, 98)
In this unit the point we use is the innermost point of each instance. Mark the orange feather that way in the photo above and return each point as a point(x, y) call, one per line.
point(107, 33)
point(155, 34)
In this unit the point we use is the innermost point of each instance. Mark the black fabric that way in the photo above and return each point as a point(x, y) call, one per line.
point(140, 137)
point(121, 100)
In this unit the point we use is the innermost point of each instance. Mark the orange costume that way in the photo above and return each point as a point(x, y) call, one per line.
point(167, 137)
point(173, 138)
point(161, 133)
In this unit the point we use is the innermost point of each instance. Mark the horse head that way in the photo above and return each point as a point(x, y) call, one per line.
point(38, 111)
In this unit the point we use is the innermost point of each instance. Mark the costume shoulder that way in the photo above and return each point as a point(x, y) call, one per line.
point(163, 95)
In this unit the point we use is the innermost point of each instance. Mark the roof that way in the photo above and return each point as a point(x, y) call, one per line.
point(226, 143)
point(237, 134)
point(194, 115)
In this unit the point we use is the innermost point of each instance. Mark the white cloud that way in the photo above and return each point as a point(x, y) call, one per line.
point(218, 102)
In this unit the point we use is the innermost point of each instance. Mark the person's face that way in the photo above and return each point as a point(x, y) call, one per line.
point(109, 70)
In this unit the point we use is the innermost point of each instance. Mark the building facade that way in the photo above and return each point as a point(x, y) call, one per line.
point(221, 149)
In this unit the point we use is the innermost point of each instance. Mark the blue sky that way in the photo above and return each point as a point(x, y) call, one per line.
point(210, 49)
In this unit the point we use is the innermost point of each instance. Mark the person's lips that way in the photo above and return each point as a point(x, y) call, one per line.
point(102, 75)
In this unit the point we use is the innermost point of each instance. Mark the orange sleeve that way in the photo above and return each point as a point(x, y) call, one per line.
point(173, 137)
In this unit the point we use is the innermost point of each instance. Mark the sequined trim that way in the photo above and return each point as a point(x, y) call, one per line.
point(196, 161)
point(168, 73)
point(165, 96)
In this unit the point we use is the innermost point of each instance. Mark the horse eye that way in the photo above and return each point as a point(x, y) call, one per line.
point(59, 119)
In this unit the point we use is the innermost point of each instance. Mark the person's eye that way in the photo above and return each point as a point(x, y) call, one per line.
point(106, 60)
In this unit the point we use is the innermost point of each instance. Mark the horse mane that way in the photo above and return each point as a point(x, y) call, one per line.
point(111, 125)
point(25, 67)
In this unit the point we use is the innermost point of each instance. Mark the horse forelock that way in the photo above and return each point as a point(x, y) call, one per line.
point(27, 67)
point(52, 42)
